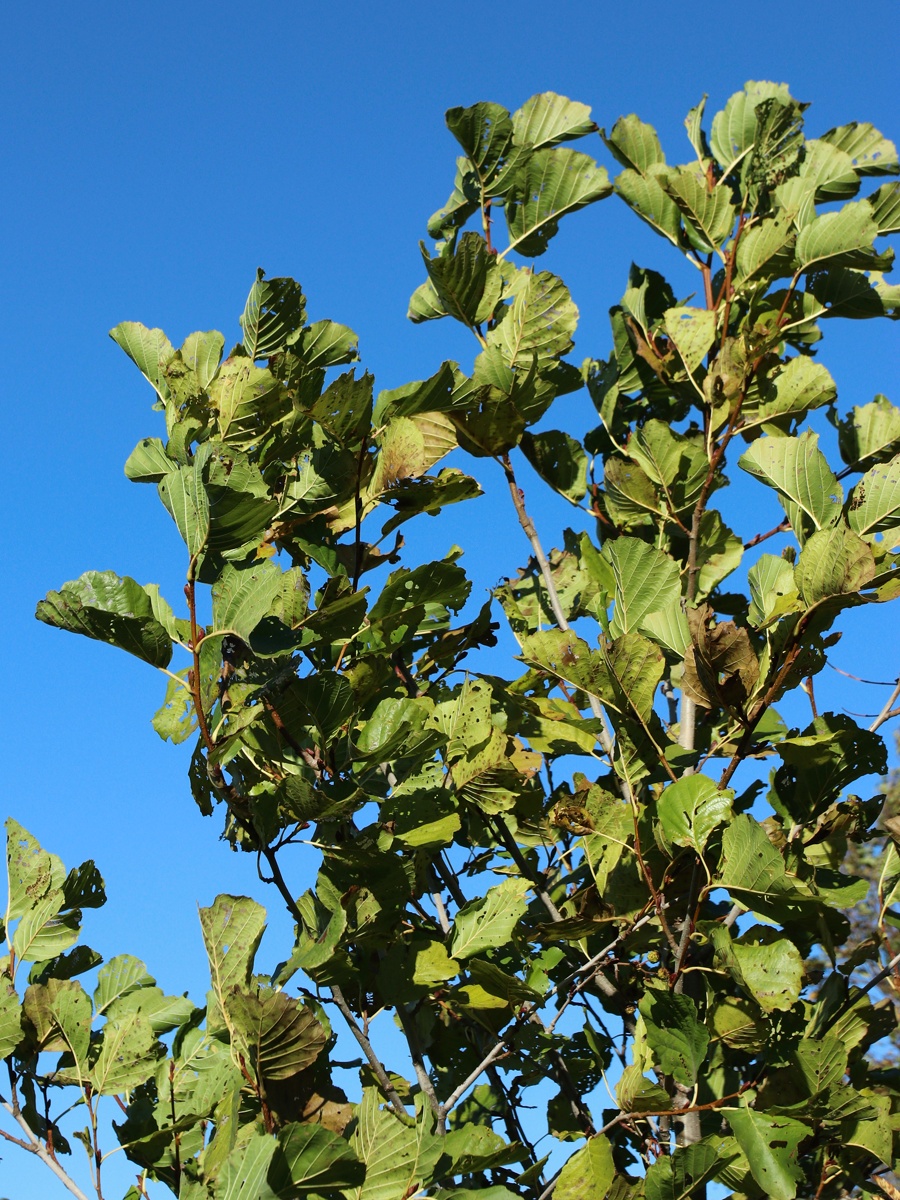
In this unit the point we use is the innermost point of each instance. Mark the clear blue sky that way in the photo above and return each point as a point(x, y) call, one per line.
point(156, 154)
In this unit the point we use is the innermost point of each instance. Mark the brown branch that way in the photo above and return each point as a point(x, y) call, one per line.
point(781, 527)
point(509, 842)
point(371, 1057)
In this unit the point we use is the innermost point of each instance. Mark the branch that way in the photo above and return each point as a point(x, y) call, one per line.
point(886, 712)
point(407, 1022)
point(782, 527)
point(518, 858)
point(498, 1050)
point(518, 499)
point(366, 1046)
point(34, 1146)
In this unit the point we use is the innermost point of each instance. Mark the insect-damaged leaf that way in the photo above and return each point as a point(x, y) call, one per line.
point(109, 608)
point(675, 1034)
point(770, 1144)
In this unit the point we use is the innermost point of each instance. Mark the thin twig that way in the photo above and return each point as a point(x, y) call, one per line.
point(859, 679)
point(781, 527)
point(886, 712)
point(372, 1058)
point(34, 1146)
point(518, 858)
point(408, 1024)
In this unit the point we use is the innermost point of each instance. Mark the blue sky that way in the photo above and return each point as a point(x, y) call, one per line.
point(156, 154)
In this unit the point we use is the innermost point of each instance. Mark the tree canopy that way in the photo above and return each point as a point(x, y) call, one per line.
point(619, 959)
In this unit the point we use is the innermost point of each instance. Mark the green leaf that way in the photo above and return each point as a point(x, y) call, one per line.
point(119, 977)
point(424, 303)
point(873, 505)
point(885, 204)
point(796, 468)
point(83, 887)
point(328, 699)
point(765, 249)
point(818, 764)
point(327, 344)
point(646, 195)
point(183, 493)
point(148, 462)
point(869, 151)
point(232, 929)
point(675, 461)
point(870, 433)
point(484, 131)
point(395, 726)
point(33, 873)
point(109, 608)
point(541, 320)
point(834, 562)
point(693, 330)
point(128, 1055)
point(773, 590)
point(691, 809)
point(770, 1144)
point(677, 1038)
point(467, 283)
point(559, 460)
point(637, 665)
point(424, 395)
point(565, 655)
point(646, 581)
point(765, 964)
point(548, 119)
point(792, 389)
point(719, 552)
point(872, 1132)
point(279, 1035)
point(588, 1173)
point(149, 349)
point(822, 1062)
point(734, 128)
point(201, 354)
point(242, 596)
point(751, 867)
point(397, 1156)
point(344, 410)
point(46, 930)
point(10, 1018)
point(245, 1172)
point(680, 1175)
point(550, 184)
point(842, 238)
point(488, 922)
point(273, 316)
point(72, 1012)
point(708, 215)
point(830, 171)
point(311, 1158)
point(634, 144)
point(246, 400)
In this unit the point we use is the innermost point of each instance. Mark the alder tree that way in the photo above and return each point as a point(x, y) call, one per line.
point(603, 896)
